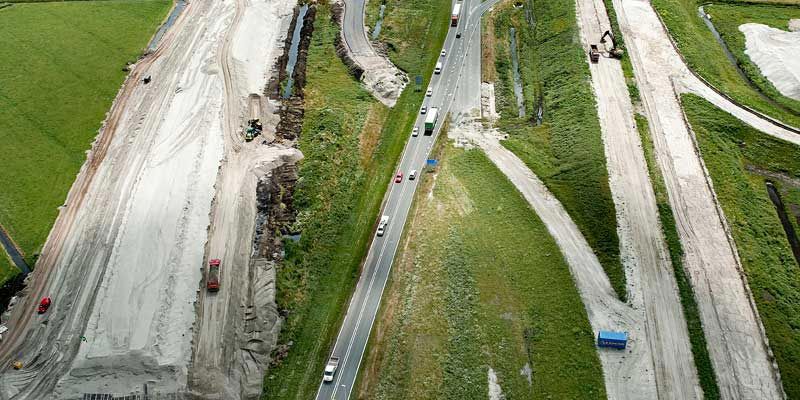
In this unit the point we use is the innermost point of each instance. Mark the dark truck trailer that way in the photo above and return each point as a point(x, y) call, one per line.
point(615, 340)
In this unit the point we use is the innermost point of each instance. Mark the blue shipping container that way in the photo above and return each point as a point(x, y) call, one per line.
point(617, 340)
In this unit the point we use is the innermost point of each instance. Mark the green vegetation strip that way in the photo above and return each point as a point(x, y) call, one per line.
point(61, 69)
point(728, 147)
point(728, 17)
point(338, 197)
point(706, 56)
point(566, 151)
point(479, 284)
point(702, 361)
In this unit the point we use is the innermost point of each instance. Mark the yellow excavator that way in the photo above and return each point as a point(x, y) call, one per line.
point(614, 52)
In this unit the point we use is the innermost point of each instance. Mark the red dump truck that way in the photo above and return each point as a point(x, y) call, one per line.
point(212, 280)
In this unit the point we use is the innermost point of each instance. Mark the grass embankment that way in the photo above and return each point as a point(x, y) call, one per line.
point(702, 361)
point(566, 151)
point(728, 147)
point(61, 69)
point(479, 283)
point(338, 197)
point(706, 56)
point(728, 17)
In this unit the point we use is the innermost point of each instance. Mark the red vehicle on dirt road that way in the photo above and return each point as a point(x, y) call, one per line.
point(44, 305)
point(212, 280)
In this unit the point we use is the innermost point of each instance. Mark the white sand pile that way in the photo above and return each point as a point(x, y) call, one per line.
point(777, 55)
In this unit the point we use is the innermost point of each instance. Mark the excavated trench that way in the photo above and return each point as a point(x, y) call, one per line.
point(517, 77)
point(788, 228)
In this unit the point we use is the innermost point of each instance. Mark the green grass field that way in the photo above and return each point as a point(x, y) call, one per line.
point(566, 151)
point(351, 144)
point(479, 283)
point(728, 147)
point(61, 69)
point(707, 58)
point(728, 17)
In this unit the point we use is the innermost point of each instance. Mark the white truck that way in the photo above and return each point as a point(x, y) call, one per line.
point(382, 225)
point(330, 369)
point(438, 69)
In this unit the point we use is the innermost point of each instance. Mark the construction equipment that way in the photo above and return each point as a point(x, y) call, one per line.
point(616, 340)
point(614, 52)
point(254, 126)
point(212, 280)
point(253, 129)
point(17, 364)
point(594, 54)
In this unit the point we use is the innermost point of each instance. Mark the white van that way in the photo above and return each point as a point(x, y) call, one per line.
point(438, 69)
point(412, 174)
point(382, 225)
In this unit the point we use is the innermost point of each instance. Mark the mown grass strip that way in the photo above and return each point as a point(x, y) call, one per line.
point(338, 197)
point(566, 151)
point(61, 69)
point(702, 361)
point(706, 57)
point(478, 284)
point(728, 147)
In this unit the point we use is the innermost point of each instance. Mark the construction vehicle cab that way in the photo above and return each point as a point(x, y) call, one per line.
point(594, 54)
point(614, 52)
point(253, 129)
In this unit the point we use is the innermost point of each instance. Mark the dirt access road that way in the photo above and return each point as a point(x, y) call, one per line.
point(238, 326)
point(124, 260)
point(629, 374)
point(736, 341)
point(651, 281)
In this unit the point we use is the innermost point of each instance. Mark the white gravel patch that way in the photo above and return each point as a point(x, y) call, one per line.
point(777, 54)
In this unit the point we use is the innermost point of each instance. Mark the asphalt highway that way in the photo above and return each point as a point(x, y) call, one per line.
point(354, 333)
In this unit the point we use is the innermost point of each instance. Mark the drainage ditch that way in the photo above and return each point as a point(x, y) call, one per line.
point(377, 30)
point(517, 77)
point(173, 15)
point(788, 228)
point(293, 50)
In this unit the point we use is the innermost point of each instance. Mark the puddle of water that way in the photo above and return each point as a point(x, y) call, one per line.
point(176, 11)
point(517, 77)
point(377, 30)
point(293, 49)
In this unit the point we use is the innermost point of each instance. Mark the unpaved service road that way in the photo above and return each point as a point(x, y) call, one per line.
point(124, 260)
point(735, 337)
point(651, 281)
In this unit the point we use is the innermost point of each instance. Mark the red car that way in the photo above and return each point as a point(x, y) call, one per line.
point(399, 177)
point(212, 280)
point(44, 305)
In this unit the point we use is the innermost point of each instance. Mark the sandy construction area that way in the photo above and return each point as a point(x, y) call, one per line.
point(777, 54)
point(124, 261)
